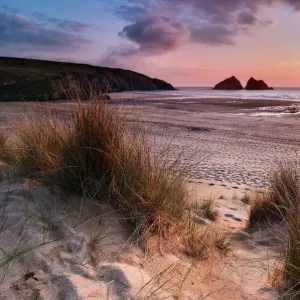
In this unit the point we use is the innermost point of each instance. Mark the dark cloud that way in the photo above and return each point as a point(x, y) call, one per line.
point(16, 29)
point(247, 18)
point(65, 25)
point(268, 23)
point(213, 35)
point(156, 35)
point(218, 11)
point(294, 3)
point(213, 22)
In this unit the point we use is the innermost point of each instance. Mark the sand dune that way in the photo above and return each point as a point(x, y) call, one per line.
point(56, 246)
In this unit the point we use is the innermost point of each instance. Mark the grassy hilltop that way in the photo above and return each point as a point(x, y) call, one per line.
point(35, 80)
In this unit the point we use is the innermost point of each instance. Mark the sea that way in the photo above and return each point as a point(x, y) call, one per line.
point(280, 93)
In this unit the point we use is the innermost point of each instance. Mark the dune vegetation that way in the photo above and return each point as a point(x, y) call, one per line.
point(281, 204)
point(94, 153)
point(3, 145)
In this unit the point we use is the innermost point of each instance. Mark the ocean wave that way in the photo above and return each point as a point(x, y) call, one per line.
point(273, 114)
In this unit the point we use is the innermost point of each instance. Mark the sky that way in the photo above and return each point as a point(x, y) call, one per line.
point(185, 42)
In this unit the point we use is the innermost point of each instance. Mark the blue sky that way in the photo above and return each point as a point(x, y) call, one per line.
point(190, 42)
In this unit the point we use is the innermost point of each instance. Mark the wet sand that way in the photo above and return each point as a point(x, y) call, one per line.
point(239, 141)
point(225, 105)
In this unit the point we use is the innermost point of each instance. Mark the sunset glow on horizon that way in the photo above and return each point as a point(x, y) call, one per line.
point(187, 43)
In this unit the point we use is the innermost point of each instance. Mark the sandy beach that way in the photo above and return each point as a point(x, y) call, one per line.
point(230, 140)
point(149, 150)
point(224, 140)
point(227, 150)
point(64, 247)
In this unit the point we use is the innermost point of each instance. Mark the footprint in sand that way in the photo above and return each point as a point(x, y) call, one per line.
point(237, 219)
point(229, 215)
point(233, 217)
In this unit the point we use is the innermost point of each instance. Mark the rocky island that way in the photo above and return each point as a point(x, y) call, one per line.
point(231, 83)
point(254, 84)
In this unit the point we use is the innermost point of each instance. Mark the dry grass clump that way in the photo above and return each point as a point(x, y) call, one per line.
point(246, 199)
point(292, 252)
point(272, 205)
point(151, 194)
point(3, 142)
point(282, 203)
point(263, 210)
point(93, 153)
point(208, 209)
point(38, 145)
point(4, 147)
point(201, 241)
point(95, 135)
point(285, 185)
point(3, 139)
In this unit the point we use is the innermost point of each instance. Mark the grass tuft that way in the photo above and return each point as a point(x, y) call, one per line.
point(208, 209)
point(3, 145)
point(93, 153)
point(273, 204)
point(38, 144)
point(201, 241)
point(3, 139)
point(246, 199)
point(292, 251)
point(150, 193)
point(282, 203)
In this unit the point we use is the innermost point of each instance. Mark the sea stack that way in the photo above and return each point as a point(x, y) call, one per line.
point(231, 83)
point(254, 84)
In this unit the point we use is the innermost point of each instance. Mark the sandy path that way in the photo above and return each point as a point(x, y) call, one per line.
point(59, 247)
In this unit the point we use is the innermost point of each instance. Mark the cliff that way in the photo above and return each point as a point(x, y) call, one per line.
point(29, 79)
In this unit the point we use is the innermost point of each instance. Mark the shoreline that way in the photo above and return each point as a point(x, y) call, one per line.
point(226, 105)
